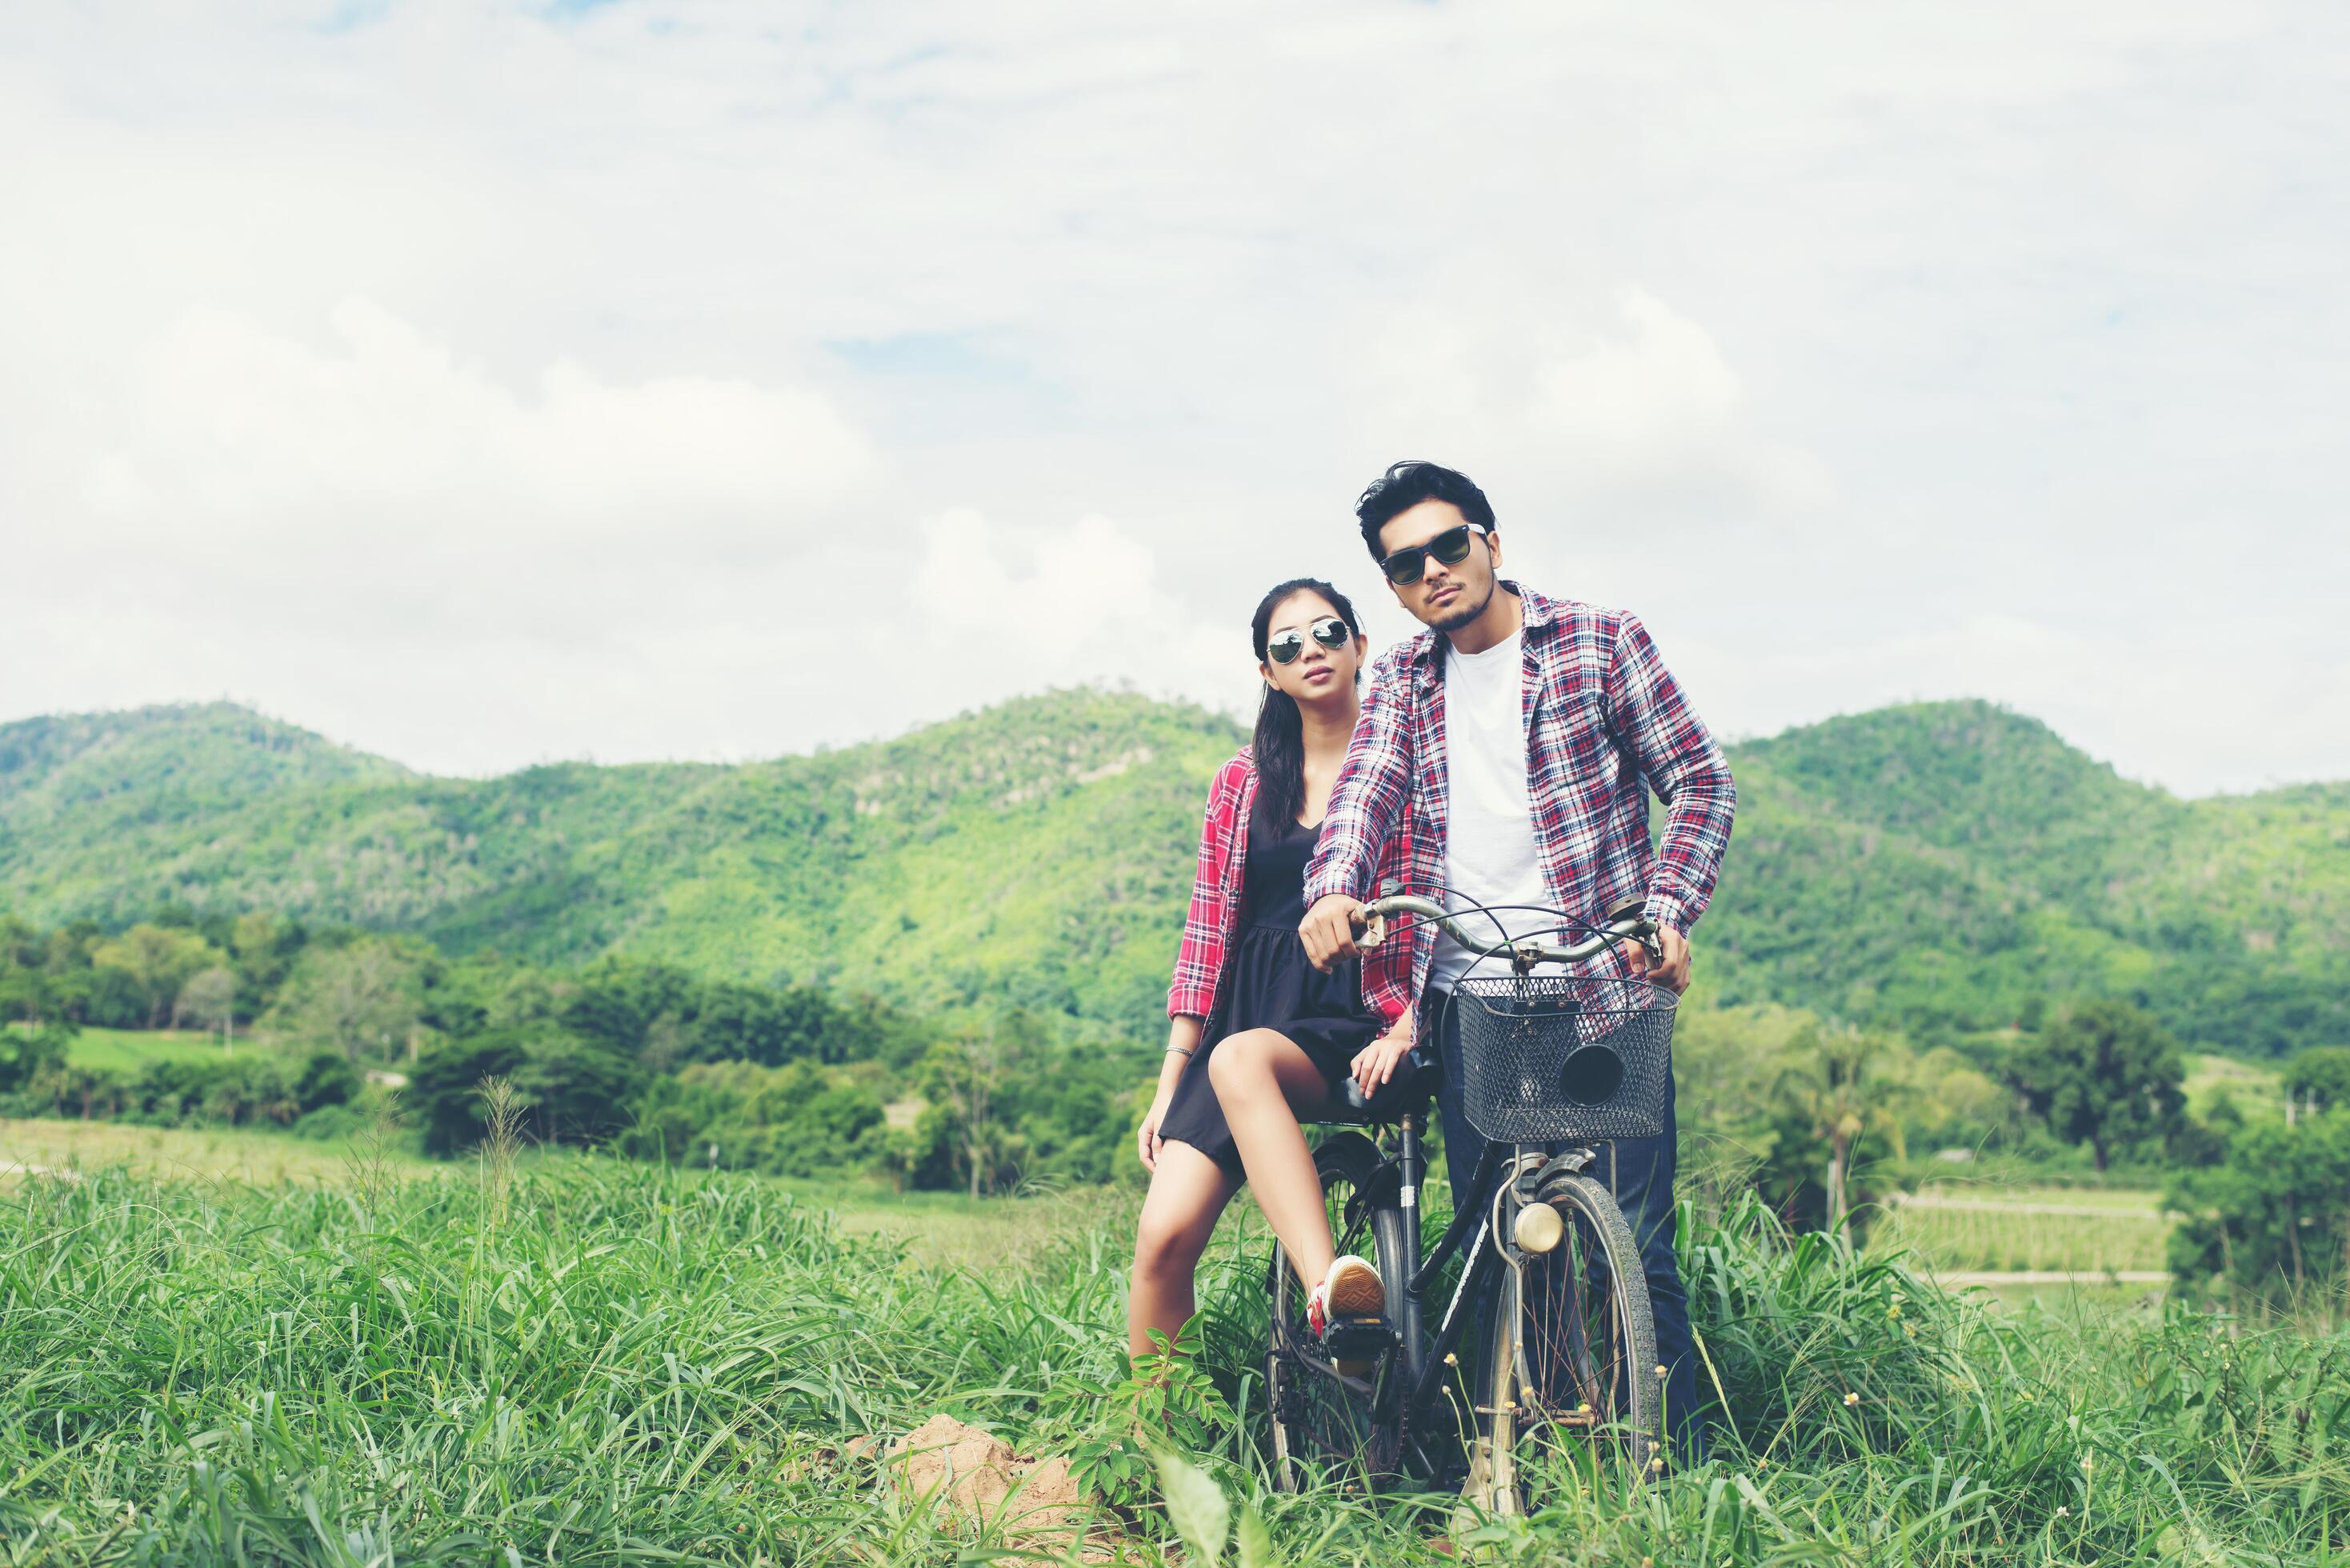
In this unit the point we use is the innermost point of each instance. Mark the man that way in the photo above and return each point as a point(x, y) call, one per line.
point(1515, 743)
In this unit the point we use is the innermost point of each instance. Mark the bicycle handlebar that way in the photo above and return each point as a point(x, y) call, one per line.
point(1525, 955)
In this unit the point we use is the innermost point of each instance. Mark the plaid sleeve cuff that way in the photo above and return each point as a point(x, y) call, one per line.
point(1667, 910)
point(1332, 881)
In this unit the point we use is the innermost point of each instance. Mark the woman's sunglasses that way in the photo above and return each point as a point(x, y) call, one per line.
point(1329, 631)
point(1451, 547)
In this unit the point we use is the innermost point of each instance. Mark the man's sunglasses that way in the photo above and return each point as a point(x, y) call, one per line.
point(1451, 547)
point(1329, 631)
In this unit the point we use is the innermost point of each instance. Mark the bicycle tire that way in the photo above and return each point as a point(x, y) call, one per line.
point(1544, 1383)
point(1324, 1420)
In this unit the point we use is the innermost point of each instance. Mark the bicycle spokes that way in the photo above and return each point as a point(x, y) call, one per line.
point(1571, 1349)
point(1583, 1340)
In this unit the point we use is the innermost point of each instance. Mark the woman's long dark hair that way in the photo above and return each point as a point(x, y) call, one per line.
point(1280, 744)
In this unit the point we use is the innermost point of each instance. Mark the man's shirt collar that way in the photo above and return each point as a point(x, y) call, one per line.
point(1536, 612)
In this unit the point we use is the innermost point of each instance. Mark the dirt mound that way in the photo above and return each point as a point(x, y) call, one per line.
point(979, 1476)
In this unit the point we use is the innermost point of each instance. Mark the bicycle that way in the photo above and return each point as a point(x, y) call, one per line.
point(1555, 1066)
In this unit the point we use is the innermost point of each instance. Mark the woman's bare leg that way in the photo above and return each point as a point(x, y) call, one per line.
point(1188, 1193)
point(1266, 1082)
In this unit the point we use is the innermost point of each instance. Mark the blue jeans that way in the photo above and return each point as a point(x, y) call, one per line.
point(1640, 1172)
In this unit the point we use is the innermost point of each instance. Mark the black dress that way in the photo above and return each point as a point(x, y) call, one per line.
point(1267, 983)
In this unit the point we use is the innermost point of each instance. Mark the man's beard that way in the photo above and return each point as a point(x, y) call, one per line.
point(1461, 618)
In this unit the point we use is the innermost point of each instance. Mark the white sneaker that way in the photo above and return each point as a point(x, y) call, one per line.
point(1351, 1289)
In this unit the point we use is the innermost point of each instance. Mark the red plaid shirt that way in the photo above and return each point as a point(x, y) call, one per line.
point(1215, 913)
point(1605, 723)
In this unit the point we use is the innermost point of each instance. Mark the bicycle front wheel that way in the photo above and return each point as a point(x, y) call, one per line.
point(1572, 1352)
point(1337, 1406)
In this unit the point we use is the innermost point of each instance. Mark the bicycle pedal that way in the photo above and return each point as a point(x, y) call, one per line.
point(1361, 1339)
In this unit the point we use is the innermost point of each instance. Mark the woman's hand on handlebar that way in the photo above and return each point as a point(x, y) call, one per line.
point(1374, 1063)
point(1329, 930)
point(1669, 967)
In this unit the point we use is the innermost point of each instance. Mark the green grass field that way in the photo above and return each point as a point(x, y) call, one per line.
point(128, 1050)
point(1967, 1227)
point(2258, 1091)
point(200, 1154)
point(584, 1361)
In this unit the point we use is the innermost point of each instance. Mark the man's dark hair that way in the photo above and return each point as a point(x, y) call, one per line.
point(1405, 485)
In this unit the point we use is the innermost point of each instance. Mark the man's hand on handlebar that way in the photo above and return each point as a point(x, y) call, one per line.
point(1670, 968)
point(1329, 930)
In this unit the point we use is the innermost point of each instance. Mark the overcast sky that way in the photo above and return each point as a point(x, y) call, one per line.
point(482, 384)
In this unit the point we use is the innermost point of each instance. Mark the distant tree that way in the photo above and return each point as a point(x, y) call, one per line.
point(22, 946)
point(571, 1090)
point(28, 996)
point(606, 1015)
point(575, 1091)
point(1847, 1085)
point(962, 1075)
point(266, 948)
point(2106, 1075)
point(444, 1088)
point(2319, 1078)
point(28, 1051)
point(664, 1046)
point(2275, 1219)
point(921, 1157)
point(327, 1078)
point(158, 960)
point(365, 998)
point(253, 936)
point(110, 998)
point(208, 1001)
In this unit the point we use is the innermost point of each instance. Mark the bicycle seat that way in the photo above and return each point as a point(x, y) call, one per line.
point(1404, 1095)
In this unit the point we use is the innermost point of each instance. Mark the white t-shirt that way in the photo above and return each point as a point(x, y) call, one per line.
point(1489, 850)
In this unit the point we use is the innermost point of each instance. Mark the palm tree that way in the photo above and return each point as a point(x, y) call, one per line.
point(1846, 1083)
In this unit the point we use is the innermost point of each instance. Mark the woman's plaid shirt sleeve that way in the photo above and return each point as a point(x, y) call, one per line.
point(1200, 957)
point(1683, 765)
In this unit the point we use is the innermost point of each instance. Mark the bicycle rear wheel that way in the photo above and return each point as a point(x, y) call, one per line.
point(1572, 1352)
point(1338, 1407)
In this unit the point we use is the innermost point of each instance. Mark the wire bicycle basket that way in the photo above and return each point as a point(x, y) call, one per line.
point(1548, 1058)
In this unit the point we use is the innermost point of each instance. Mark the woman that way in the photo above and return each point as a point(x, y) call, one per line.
point(1259, 1038)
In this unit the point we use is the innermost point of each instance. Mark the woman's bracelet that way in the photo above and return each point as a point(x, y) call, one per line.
point(1179, 1050)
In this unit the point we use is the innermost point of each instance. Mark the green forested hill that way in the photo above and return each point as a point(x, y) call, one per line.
point(1040, 849)
point(1945, 864)
point(83, 775)
point(1948, 866)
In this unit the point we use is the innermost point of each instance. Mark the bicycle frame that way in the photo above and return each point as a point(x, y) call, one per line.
point(1471, 1228)
point(1425, 1360)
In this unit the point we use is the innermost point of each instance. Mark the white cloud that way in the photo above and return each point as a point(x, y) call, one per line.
point(373, 534)
point(230, 426)
point(1640, 395)
point(1001, 608)
point(1638, 406)
point(481, 382)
